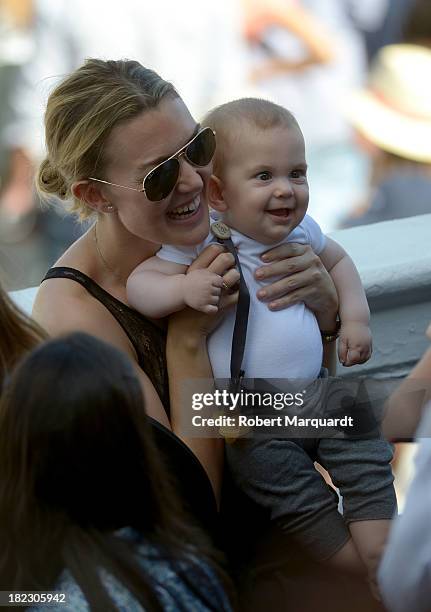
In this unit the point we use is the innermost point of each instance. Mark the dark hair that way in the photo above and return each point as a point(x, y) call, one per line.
point(18, 335)
point(77, 462)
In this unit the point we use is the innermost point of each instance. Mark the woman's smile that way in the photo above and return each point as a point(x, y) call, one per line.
point(186, 211)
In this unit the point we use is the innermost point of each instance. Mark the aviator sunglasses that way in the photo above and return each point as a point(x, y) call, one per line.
point(161, 180)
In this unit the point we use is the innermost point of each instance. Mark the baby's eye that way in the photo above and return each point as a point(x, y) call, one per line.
point(264, 176)
point(299, 174)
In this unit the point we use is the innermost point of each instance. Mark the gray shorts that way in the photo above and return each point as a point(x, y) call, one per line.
point(279, 475)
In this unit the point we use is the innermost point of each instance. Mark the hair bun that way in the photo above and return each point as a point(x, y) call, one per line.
point(50, 180)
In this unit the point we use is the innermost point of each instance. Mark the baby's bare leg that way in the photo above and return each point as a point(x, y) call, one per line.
point(370, 538)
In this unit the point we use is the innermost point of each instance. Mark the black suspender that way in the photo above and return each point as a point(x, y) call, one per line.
point(222, 233)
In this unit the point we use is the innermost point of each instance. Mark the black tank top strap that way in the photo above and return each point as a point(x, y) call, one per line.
point(147, 339)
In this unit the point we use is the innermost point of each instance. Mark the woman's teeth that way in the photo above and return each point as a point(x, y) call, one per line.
point(183, 212)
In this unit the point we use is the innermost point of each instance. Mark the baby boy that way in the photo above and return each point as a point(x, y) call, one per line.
point(259, 189)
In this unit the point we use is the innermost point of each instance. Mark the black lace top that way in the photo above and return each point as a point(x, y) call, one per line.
point(149, 342)
point(147, 339)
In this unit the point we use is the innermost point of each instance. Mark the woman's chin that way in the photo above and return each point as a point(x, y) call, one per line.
point(190, 230)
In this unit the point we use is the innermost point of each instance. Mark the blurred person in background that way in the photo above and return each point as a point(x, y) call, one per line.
point(306, 55)
point(180, 45)
point(392, 116)
point(86, 504)
point(381, 24)
point(298, 68)
point(417, 29)
point(15, 49)
point(404, 574)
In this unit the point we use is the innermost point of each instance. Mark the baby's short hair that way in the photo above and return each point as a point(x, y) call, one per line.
point(229, 119)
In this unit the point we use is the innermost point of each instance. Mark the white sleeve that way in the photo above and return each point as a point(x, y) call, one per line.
point(316, 237)
point(184, 254)
point(180, 255)
point(405, 571)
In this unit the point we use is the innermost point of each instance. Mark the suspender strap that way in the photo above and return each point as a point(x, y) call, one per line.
point(241, 320)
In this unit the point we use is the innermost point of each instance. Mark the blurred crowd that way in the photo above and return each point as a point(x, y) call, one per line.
point(352, 71)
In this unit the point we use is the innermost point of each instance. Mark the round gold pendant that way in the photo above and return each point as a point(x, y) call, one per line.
point(220, 230)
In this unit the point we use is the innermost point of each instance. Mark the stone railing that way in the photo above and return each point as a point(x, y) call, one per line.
point(394, 261)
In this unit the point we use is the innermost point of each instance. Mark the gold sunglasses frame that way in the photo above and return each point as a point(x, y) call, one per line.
point(176, 156)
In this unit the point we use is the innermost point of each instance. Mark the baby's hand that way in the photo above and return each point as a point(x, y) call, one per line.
point(355, 343)
point(202, 290)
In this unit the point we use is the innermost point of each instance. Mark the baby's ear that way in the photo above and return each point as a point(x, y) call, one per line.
point(215, 194)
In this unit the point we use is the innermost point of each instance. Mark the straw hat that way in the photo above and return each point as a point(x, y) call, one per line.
point(394, 111)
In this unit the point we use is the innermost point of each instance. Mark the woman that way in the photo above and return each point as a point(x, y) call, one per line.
point(86, 506)
point(19, 334)
point(109, 128)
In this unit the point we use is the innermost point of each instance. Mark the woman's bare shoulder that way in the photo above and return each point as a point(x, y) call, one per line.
point(62, 306)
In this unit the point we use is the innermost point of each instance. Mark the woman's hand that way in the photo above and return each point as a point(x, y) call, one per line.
point(192, 325)
point(305, 279)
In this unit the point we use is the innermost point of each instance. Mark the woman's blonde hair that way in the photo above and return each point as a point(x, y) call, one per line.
point(80, 115)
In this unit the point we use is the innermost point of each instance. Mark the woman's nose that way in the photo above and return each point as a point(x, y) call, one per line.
point(189, 178)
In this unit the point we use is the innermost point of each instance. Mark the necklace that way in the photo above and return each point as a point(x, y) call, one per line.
point(102, 259)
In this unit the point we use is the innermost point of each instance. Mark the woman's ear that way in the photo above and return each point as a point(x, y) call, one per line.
point(92, 195)
point(215, 194)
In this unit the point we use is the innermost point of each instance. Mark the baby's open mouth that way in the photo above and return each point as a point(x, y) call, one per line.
point(279, 212)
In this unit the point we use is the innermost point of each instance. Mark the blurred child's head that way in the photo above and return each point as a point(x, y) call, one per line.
point(260, 174)
point(75, 440)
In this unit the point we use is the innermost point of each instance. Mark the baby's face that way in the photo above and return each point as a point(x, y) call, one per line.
point(265, 186)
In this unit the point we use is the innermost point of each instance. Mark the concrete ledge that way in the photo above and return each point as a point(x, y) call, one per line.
point(394, 261)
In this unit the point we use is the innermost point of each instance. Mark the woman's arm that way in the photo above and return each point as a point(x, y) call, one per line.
point(404, 409)
point(188, 360)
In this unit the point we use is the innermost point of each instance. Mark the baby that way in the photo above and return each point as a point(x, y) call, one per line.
point(259, 190)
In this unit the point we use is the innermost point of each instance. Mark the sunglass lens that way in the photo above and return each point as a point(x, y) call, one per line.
point(201, 150)
point(160, 182)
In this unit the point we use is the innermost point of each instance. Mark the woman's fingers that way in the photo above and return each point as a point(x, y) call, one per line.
point(214, 259)
point(228, 300)
point(206, 258)
point(302, 294)
point(298, 257)
point(222, 263)
point(230, 279)
point(285, 251)
point(305, 280)
point(285, 286)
